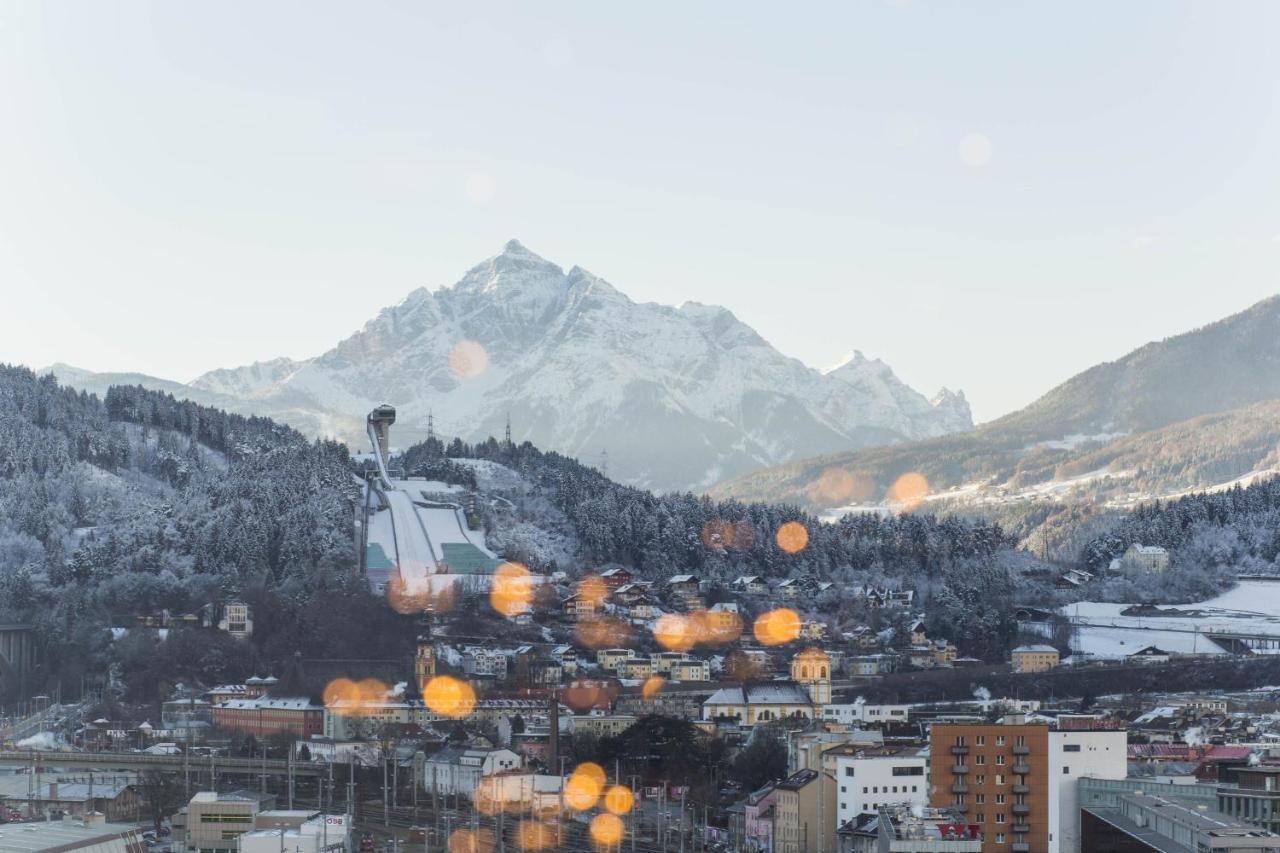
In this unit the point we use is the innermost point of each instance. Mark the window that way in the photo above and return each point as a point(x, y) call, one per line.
point(979, 818)
point(980, 740)
point(864, 790)
point(980, 779)
point(913, 789)
point(908, 771)
point(999, 780)
point(979, 760)
point(843, 789)
point(979, 798)
point(999, 817)
point(1071, 747)
point(1000, 798)
point(848, 771)
point(1021, 740)
point(999, 838)
point(1066, 771)
point(999, 740)
point(999, 759)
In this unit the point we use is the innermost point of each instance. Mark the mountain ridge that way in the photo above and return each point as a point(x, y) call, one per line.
point(681, 397)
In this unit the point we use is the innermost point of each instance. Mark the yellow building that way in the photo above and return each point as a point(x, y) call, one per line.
point(811, 669)
point(1034, 658)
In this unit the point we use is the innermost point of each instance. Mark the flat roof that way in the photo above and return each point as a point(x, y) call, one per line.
point(38, 836)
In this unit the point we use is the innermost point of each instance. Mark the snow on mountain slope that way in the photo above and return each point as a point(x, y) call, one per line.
point(680, 397)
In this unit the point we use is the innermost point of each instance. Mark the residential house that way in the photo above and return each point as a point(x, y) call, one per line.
point(616, 576)
point(237, 620)
point(750, 585)
point(1034, 658)
point(459, 769)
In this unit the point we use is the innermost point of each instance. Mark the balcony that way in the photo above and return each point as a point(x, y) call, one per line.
point(958, 807)
point(1021, 769)
point(959, 788)
point(1021, 828)
point(1020, 847)
point(959, 769)
point(959, 749)
point(1021, 749)
point(1022, 789)
point(1021, 809)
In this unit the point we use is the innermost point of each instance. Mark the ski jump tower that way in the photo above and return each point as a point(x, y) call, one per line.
point(379, 427)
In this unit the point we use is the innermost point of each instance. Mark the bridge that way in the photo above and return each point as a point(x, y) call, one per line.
point(141, 761)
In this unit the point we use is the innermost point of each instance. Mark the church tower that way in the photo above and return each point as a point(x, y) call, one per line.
point(424, 662)
point(811, 669)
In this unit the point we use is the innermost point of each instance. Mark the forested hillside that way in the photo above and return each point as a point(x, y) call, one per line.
point(1211, 538)
point(968, 572)
point(111, 509)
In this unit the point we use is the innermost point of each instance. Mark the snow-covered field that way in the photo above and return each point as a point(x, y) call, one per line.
point(1251, 607)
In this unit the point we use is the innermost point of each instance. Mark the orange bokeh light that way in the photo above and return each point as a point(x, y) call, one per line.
point(603, 632)
point(449, 696)
point(792, 537)
point(471, 841)
point(652, 687)
point(606, 829)
point(838, 486)
point(583, 787)
point(403, 599)
point(675, 632)
point(534, 835)
point(777, 627)
point(593, 588)
point(468, 359)
point(909, 490)
point(619, 799)
point(512, 589)
point(345, 697)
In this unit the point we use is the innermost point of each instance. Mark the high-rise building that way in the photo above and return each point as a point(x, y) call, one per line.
point(1017, 780)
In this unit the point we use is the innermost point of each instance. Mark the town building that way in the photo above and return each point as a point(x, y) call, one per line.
point(870, 778)
point(1149, 823)
point(1017, 780)
point(804, 813)
point(213, 822)
point(459, 769)
point(424, 662)
point(911, 829)
point(1148, 558)
point(266, 715)
point(296, 832)
point(603, 725)
point(1037, 658)
point(93, 835)
point(237, 620)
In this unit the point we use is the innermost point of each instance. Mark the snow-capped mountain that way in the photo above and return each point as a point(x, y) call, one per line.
point(680, 397)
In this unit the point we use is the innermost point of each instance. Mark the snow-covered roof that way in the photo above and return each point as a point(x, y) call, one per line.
point(1035, 648)
point(682, 579)
point(767, 693)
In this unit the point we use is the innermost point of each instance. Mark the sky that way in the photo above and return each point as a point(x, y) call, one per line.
point(988, 196)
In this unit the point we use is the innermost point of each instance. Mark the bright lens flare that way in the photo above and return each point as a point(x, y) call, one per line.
point(534, 835)
point(603, 632)
point(792, 537)
point(583, 787)
point(777, 627)
point(619, 799)
point(512, 589)
point(592, 588)
point(908, 490)
point(674, 632)
point(468, 841)
point(468, 359)
point(606, 829)
point(345, 697)
point(838, 486)
point(449, 696)
point(652, 687)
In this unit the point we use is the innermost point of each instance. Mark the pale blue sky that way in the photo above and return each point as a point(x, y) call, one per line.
point(186, 186)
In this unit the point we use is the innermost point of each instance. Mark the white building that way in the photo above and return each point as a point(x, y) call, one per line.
point(1074, 754)
point(459, 769)
point(881, 776)
point(488, 663)
point(317, 835)
point(854, 713)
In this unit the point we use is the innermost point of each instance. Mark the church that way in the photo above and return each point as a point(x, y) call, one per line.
point(805, 694)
